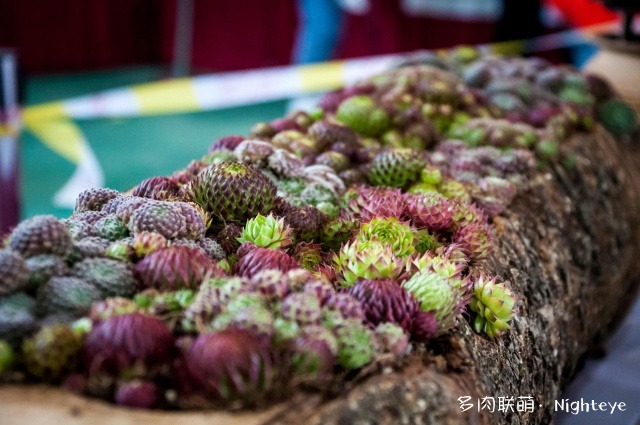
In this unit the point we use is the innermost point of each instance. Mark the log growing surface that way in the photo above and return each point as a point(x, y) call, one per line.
point(568, 245)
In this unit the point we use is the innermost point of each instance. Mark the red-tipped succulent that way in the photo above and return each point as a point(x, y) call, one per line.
point(175, 267)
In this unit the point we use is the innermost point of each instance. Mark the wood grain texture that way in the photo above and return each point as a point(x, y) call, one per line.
point(569, 245)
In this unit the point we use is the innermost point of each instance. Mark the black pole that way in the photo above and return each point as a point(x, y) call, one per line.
point(9, 142)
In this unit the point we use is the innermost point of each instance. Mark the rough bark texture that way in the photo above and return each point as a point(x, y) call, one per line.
point(568, 245)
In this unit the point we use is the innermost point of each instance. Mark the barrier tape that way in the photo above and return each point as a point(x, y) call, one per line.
point(52, 122)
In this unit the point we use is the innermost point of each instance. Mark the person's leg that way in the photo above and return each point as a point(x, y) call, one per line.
point(318, 30)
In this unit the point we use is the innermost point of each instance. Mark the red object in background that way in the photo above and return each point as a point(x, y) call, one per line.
point(77, 35)
point(74, 35)
point(582, 13)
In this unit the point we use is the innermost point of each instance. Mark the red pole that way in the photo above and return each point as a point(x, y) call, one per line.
point(9, 142)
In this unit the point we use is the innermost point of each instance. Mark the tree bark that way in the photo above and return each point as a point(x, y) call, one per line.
point(568, 245)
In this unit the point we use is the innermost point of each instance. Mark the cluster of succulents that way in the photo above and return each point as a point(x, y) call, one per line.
point(318, 244)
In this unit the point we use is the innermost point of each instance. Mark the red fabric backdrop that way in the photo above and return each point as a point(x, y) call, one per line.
point(74, 35)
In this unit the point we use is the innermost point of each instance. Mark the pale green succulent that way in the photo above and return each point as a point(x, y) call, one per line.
point(266, 232)
point(494, 304)
point(368, 260)
point(389, 231)
point(436, 295)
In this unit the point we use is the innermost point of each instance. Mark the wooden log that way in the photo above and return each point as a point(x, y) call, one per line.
point(569, 246)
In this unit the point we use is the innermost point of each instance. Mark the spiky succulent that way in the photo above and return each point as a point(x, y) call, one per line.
point(257, 320)
point(474, 239)
point(391, 338)
point(158, 188)
point(308, 255)
point(110, 228)
point(266, 232)
point(228, 237)
point(362, 115)
point(137, 394)
point(430, 211)
point(14, 272)
point(384, 300)
point(380, 202)
point(144, 243)
point(125, 206)
point(389, 231)
point(227, 365)
point(233, 192)
point(94, 199)
point(112, 278)
point(67, 294)
point(355, 345)
point(436, 295)
point(395, 168)
point(43, 267)
point(17, 319)
point(52, 352)
point(130, 345)
point(271, 284)
point(494, 305)
point(165, 218)
point(41, 234)
point(367, 260)
point(175, 267)
point(303, 308)
point(260, 259)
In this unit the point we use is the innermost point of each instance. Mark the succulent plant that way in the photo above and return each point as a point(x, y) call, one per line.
point(228, 237)
point(384, 300)
point(43, 267)
point(145, 243)
point(40, 234)
point(110, 277)
point(424, 326)
point(257, 320)
point(226, 142)
point(321, 289)
point(474, 239)
point(328, 133)
point(308, 255)
point(125, 206)
point(494, 305)
point(52, 352)
point(303, 308)
point(7, 356)
point(433, 212)
point(346, 304)
point(362, 115)
point(391, 338)
point(233, 192)
point(17, 319)
point(212, 248)
point(175, 267)
point(618, 117)
point(227, 365)
point(14, 272)
point(266, 232)
point(367, 260)
point(128, 346)
point(110, 228)
point(115, 306)
point(272, 284)
point(424, 241)
point(355, 345)
point(67, 294)
point(158, 188)
point(389, 231)
point(94, 199)
point(381, 202)
point(435, 294)
point(260, 259)
point(137, 394)
point(121, 250)
point(395, 168)
point(164, 218)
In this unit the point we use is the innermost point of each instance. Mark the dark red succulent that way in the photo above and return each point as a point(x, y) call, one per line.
point(137, 394)
point(227, 365)
point(129, 345)
point(260, 259)
point(175, 267)
point(377, 202)
point(158, 188)
point(228, 142)
point(383, 300)
point(424, 326)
